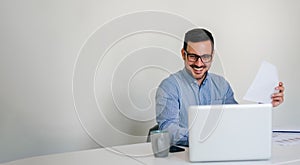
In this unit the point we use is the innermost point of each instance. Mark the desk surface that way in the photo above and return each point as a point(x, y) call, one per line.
point(142, 154)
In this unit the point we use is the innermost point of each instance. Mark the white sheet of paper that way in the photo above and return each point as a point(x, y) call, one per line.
point(286, 139)
point(264, 84)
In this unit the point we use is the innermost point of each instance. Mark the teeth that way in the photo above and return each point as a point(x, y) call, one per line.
point(198, 69)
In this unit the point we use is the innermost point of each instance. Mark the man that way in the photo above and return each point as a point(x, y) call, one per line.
point(194, 85)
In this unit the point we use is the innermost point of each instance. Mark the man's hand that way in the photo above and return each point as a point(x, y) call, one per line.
point(277, 98)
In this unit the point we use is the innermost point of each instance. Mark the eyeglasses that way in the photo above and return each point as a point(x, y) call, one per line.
point(206, 58)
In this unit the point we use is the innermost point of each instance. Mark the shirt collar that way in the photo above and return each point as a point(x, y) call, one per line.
point(192, 80)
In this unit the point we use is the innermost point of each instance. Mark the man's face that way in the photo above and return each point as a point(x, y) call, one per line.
point(197, 68)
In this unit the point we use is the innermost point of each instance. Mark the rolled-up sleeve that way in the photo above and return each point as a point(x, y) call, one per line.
point(230, 95)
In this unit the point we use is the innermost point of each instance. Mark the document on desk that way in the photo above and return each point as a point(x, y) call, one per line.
point(286, 138)
point(264, 84)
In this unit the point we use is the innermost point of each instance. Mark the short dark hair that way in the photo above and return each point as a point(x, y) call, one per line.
point(198, 35)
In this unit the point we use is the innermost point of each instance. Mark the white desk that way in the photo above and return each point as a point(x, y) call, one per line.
point(142, 154)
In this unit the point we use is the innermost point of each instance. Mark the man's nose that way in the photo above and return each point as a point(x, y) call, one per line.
point(199, 62)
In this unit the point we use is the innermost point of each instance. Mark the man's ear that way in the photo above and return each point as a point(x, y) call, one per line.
point(183, 54)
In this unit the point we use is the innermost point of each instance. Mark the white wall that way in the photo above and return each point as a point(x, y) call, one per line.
point(82, 74)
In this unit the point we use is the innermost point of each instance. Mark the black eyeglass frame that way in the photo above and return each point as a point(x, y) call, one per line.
point(196, 56)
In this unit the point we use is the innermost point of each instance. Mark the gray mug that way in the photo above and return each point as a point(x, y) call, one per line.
point(160, 141)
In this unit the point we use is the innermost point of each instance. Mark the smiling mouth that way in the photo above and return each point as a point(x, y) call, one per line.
point(197, 68)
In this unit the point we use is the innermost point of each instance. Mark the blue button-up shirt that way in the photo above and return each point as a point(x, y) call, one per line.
point(181, 90)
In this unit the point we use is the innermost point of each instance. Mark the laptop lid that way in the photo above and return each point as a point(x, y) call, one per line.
point(230, 132)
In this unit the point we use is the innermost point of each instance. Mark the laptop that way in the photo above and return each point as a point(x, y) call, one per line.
point(230, 132)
